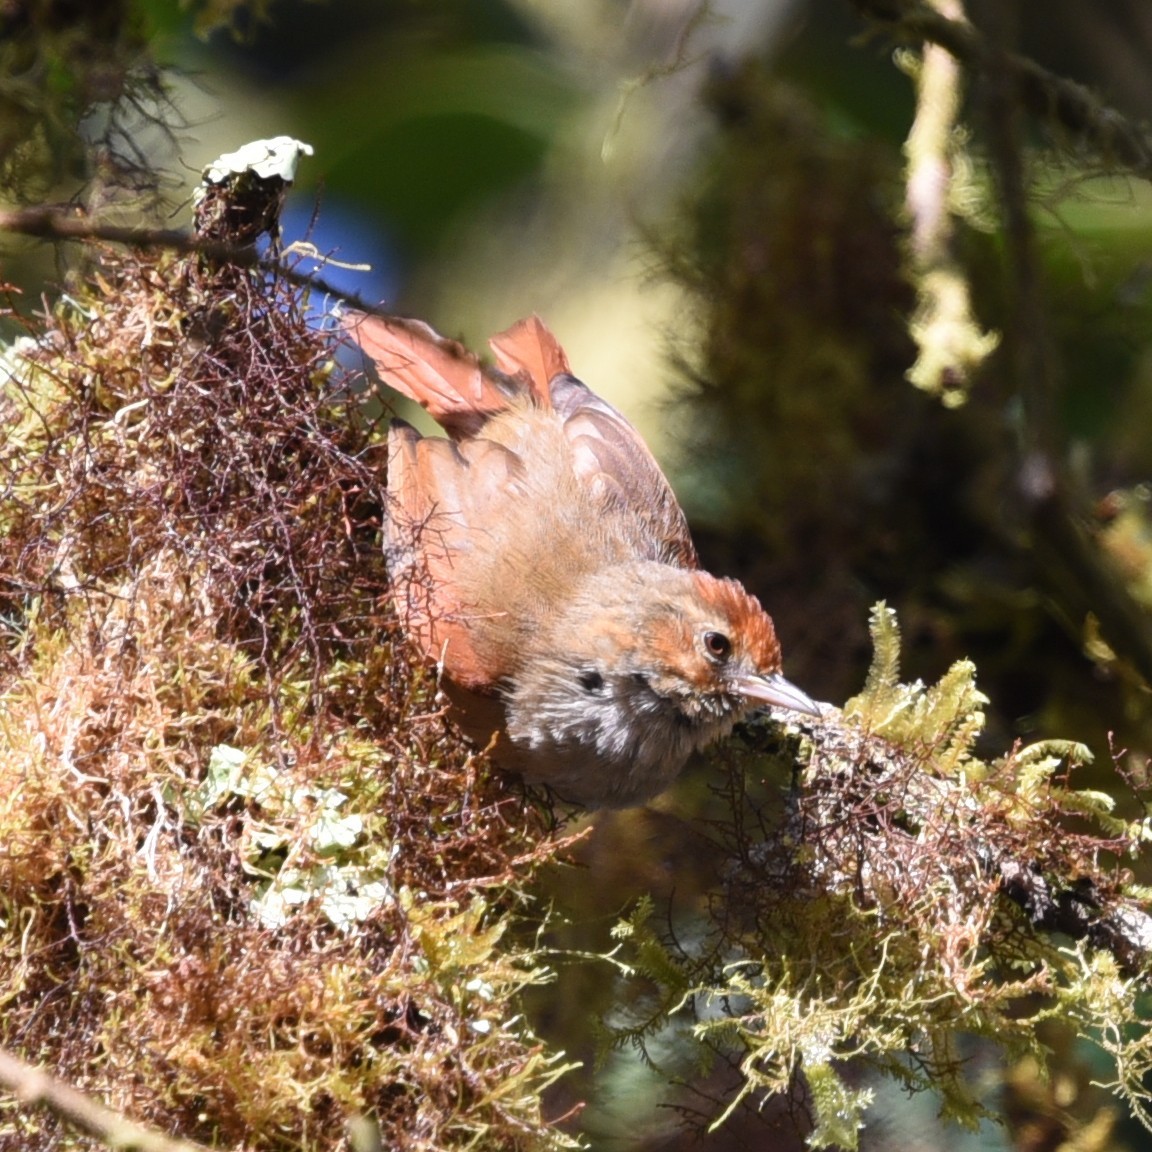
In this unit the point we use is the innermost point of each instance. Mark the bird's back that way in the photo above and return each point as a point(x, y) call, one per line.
point(539, 482)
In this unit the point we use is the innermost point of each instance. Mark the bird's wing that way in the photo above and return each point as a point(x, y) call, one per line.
point(438, 490)
point(530, 353)
point(609, 455)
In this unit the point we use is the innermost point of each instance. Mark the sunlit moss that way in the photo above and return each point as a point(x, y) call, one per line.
point(252, 886)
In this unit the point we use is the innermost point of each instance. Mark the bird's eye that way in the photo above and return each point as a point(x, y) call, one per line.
point(717, 645)
point(591, 681)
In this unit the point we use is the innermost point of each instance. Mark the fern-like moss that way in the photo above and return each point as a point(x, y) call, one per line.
point(907, 897)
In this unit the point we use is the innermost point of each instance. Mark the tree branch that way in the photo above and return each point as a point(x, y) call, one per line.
point(1079, 912)
point(36, 1088)
point(951, 344)
point(63, 222)
point(57, 222)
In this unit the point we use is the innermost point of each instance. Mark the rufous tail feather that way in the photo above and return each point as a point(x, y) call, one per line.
point(441, 375)
point(528, 349)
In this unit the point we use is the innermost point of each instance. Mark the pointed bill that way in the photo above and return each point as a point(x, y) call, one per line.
point(774, 689)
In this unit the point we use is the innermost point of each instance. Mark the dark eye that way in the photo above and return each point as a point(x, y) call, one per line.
point(717, 645)
point(591, 681)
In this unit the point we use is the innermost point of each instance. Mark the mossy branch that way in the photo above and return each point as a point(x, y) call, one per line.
point(908, 892)
point(242, 856)
point(1051, 98)
point(951, 344)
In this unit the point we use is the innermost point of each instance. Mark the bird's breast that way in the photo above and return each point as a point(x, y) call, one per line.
point(612, 745)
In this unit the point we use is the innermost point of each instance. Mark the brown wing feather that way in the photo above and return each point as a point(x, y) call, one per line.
point(610, 456)
point(436, 487)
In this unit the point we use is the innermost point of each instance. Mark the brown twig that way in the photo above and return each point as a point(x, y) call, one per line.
point(57, 222)
point(62, 222)
point(36, 1088)
point(54, 222)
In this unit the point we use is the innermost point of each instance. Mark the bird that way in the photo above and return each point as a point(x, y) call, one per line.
point(538, 557)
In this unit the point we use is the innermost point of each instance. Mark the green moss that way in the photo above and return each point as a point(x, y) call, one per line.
point(912, 896)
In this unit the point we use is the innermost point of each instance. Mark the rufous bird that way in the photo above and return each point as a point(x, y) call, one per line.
point(539, 557)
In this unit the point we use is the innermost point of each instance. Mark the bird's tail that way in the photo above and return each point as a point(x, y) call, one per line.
point(443, 377)
point(530, 353)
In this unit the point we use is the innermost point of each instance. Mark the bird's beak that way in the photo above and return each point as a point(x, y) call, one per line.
point(774, 689)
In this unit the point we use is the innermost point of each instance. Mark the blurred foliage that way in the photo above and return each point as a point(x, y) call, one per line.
point(240, 17)
point(487, 111)
point(62, 62)
point(426, 111)
point(816, 472)
point(809, 465)
point(790, 213)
